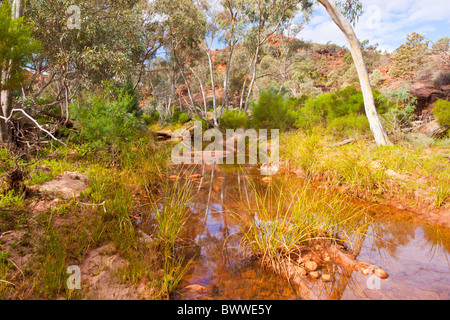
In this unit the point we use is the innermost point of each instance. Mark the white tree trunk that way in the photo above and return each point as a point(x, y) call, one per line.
point(213, 87)
point(250, 88)
point(226, 100)
point(376, 127)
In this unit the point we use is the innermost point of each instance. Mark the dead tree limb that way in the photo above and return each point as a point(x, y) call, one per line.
point(8, 119)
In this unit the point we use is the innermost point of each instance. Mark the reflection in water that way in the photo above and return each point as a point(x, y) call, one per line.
point(415, 256)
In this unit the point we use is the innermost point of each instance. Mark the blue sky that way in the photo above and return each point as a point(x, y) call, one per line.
point(386, 22)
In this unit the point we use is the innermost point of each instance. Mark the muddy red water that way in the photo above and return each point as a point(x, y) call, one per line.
point(415, 255)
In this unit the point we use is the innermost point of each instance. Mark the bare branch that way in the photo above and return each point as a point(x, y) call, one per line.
point(32, 120)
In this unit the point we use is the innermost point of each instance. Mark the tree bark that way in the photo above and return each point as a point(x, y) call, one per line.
point(376, 127)
point(226, 100)
point(250, 89)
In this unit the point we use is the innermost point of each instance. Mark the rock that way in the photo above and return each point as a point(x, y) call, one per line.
point(173, 177)
point(311, 265)
point(266, 179)
point(380, 273)
point(300, 271)
point(69, 185)
point(365, 271)
point(314, 274)
point(195, 289)
point(269, 169)
point(326, 277)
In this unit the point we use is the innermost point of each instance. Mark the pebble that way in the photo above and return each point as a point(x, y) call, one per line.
point(195, 176)
point(173, 177)
point(326, 278)
point(365, 271)
point(266, 179)
point(380, 273)
point(311, 265)
point(300, 271)
point(314, 274)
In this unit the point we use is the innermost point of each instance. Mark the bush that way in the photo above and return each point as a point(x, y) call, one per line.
point(331, 109)
point(232, 119)
point(443, 79)
point(442, 112)
point(105, 120)
point(151, 118)
point(274, 111)
point(180, 117)
point(183, 118)
point(401, 106)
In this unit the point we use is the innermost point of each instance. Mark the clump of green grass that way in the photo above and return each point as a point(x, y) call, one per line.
point(278, 222)
point(442, 191)
point(171, 214)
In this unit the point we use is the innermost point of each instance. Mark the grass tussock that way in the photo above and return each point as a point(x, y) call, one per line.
point(281, 221)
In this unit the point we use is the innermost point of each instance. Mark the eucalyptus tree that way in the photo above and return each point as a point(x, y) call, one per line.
point(84, 42)
point(342, 14)
point(16, 48)
point(265, 17)
point(232, 21)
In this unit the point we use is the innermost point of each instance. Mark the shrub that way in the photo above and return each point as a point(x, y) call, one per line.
point(232, 119)
point(176, 116)
point(442, 112)
point(183, 118)
point(274, 111)
point(331, 109)
point(442, 79)
point(151, 118)
point(401, 106)
point(105, 120)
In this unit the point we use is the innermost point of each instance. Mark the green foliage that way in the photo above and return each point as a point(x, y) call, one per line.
point(133, 106)
point(232, 119)
point(349, 125)
point(107, 46)
point(16, 48)
point(331, 109)
point(152, 118)
point(410, 56)
point(442, 112)
point(401, 107)
point(180, 117)
point(183, 118)
point(274, 111)
point(106, 120)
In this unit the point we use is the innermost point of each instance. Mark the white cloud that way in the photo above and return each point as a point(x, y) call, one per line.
point(386, 22)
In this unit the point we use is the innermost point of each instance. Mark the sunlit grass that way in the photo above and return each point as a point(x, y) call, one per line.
point(281, 220)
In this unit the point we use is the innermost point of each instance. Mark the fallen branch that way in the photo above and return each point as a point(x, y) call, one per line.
point(32, 120)
point(348, 141)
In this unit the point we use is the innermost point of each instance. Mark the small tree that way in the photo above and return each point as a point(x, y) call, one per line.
point(16, 47)
point(410, 56)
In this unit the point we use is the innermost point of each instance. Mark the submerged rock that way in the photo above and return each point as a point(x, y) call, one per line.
point(311, 265)
point(380, 273)
point(326, 278)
